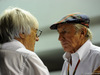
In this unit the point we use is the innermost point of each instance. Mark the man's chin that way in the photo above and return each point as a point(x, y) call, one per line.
point(67, 49)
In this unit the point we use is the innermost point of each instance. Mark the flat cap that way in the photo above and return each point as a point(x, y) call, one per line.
point(73, 18)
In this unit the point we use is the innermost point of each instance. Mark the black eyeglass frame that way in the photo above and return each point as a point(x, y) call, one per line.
point(39, 32)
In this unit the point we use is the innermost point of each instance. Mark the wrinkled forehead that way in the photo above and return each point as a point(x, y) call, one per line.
point(65, 26)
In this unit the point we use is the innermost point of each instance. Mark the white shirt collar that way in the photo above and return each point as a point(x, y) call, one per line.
point(13, 45)
point(84, 49)
point(81, 51)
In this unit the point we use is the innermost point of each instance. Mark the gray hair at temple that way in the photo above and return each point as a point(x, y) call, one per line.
point(88, 34)
point(14, 21)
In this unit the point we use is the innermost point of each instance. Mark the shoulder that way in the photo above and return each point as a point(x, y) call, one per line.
point(95, 53)
point(33, 62)
point(25, 52)
point(94, 47)
point(9, 54)
point(19, 53)
point(25, 60)
point(95, 50)
point(29, 56)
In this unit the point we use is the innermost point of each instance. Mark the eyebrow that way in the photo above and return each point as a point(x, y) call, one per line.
point(62, 29)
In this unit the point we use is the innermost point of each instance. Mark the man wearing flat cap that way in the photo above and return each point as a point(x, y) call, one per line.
point(81, 56)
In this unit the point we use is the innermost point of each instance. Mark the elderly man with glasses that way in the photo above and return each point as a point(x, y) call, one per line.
point(81, 56)
point(18, 34)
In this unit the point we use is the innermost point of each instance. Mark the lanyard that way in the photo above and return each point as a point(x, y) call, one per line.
point(74, 69)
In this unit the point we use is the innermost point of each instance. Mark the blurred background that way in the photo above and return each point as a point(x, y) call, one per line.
point(50, 11)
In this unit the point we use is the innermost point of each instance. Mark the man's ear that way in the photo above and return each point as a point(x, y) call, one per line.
point(22, 35)
point(83, 31)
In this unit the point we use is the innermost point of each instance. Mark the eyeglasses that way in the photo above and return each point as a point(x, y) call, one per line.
point(39, 32)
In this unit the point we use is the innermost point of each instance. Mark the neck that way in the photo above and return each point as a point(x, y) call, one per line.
point(29, 47)
point(79, 45)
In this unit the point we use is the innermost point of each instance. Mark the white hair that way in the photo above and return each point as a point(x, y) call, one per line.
point(14, 21)
point(88, 34)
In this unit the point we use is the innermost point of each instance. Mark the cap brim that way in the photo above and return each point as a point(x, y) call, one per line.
point(54, 26)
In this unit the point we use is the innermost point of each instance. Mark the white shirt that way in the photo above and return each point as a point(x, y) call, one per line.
point(89, 56)
point(15, 59)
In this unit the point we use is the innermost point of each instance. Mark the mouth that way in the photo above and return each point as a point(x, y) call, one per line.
point(64, 43)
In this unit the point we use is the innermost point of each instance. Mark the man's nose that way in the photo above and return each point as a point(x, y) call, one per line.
point(60, 37)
